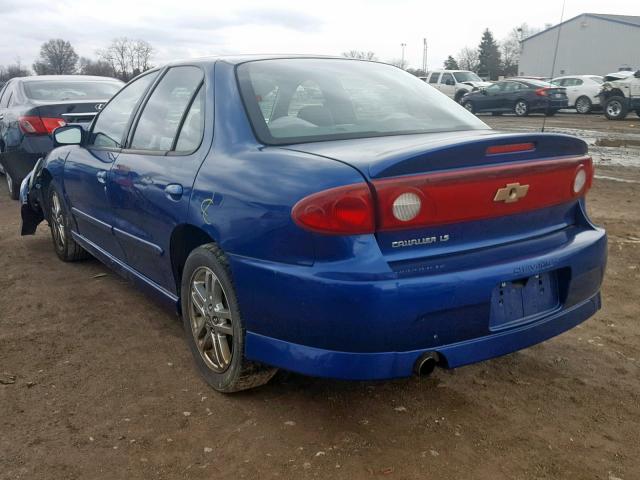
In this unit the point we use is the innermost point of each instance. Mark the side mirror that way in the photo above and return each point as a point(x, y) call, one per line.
point(637, 74)
point(483, 91)
point(68, 135)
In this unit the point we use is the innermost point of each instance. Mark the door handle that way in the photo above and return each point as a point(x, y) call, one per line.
point(174, 190)
point(101, 176)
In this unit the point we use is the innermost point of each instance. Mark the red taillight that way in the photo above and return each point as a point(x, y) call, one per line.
point(543, 92)
point(445, 197)
point(345, 210)
point(511, 148)
point(35, 125)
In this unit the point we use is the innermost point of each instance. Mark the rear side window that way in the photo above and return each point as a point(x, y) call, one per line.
point(193, 127)
point(163, 113)
point(113, 120)
point(434, 77)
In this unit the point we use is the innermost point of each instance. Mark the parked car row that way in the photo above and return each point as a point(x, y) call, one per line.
point(616, 94)
point(31, 108)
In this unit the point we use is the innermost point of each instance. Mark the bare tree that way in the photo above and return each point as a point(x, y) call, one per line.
point(360, 55)
point(127, 57)
point(398, 62)
point(468, 59)
point(95, 67)
point(10, 71)
point(511, 47)
point(57, 57)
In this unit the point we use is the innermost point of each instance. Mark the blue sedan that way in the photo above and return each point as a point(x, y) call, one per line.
point(333, 217)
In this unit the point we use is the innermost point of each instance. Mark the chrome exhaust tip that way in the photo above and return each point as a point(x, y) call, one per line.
point(426, 363)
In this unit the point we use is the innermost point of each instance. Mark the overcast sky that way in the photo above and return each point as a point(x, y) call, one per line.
point(183, 29)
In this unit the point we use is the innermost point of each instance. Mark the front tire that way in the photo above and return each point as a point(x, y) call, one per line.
point(469, 106)
point(213, 325)
point(14, 188)
point(60, 224)
point(584, 105)
point(616, 108)
point(521, 108)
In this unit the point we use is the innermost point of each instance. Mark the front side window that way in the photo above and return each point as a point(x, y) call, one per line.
point(62, 90)
point(343, 99)
point(447, 79)
point(111, 124)
point(162, 115)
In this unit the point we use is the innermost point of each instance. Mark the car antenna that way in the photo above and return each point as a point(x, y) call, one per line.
point(555, 55)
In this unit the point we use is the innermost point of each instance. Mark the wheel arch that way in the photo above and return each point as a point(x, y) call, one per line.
point(184, 239)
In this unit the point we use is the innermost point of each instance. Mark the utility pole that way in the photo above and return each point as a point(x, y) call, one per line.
point(402, 45)
point(424, 55)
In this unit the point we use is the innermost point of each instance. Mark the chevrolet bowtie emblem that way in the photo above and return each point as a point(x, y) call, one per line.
point(511, 193)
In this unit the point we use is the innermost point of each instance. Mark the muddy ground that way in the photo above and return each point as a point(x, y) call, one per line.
point(96, 382)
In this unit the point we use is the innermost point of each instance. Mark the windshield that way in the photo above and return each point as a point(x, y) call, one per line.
point(298, 100)
point(57, 90)
point(466, 77)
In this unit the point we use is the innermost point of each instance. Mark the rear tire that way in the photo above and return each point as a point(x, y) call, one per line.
point(14, 188)
point(60, 224)
point(521, 108)
point(584, 105)
point(616, 108)
point(213, 326)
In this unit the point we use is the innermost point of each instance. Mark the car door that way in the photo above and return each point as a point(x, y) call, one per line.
point(433, 79)
point(8, 123)
point(87, 166)
point(510, 94)
point(488, 100)
point(447, 84)
point(573, 89)
point(151, 180)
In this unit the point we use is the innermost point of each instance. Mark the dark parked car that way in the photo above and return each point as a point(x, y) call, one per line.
point(32, 107)
point(334, 217)
point(522, 97)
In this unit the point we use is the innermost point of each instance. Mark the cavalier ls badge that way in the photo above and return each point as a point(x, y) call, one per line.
point(511, 193)
point(414, 242)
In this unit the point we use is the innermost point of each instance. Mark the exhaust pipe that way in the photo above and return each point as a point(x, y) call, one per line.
point(426, 363)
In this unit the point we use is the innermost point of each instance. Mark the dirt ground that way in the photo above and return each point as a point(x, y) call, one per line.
point(96, 382)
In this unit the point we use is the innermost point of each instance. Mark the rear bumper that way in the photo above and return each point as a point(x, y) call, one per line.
point(383, 365)
point(354, 325)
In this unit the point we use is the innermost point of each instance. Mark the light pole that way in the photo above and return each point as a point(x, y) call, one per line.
point(402, 45)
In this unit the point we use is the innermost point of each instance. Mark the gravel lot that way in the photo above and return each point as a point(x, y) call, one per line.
point(96, 381)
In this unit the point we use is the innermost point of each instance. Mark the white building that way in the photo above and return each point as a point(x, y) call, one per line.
point(590, 43)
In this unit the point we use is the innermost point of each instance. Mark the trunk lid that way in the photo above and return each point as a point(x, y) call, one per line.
point(462, 181)
point(69, 111)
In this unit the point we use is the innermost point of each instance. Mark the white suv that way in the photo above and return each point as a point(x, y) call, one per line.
point(455, 83)
point(582, 91)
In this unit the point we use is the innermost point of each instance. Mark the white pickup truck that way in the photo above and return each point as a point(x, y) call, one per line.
point(455, 83)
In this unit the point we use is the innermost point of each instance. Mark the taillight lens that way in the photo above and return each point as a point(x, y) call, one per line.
point(35, 125)
point(542, 92)
point(345, 210)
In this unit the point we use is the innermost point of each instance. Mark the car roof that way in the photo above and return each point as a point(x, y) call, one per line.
point(577, 76)
point(68, 78)
point(238, 59)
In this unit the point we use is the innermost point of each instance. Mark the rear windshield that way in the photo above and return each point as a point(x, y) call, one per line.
point(57, 90)
point(298, 100)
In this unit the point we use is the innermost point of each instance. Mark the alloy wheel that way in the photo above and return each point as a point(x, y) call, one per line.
point(211, 319)
point(583, 105)
point(521, 108)
point(57, 220)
